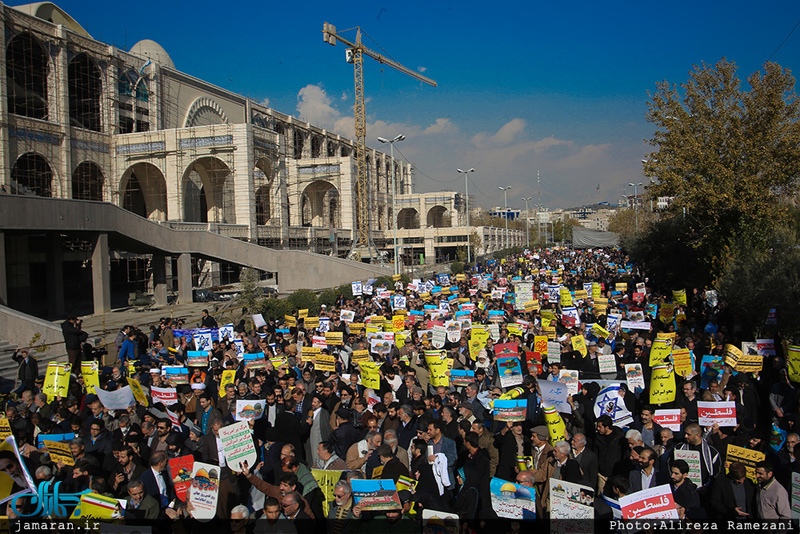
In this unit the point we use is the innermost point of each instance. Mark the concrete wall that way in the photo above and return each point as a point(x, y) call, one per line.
point(19, 329)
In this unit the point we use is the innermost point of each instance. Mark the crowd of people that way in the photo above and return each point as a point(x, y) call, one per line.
point(443, 444)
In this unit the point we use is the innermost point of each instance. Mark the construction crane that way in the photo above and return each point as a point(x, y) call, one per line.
point(363, 244)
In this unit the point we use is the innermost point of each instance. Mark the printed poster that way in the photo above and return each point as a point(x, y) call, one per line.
point(670, 418)
point(257, 360)
point(510, 371)
point(570, 378)
point(180, 469)
point(693, 459)
point(375, 494)
point(607, 363)
point(138, 392)
point(683, 361)
point(652, 503)
point(509, 410)
point(795, 495)
point(555, 394)
point(237, 444)
point(370, 377)
point(662, 385)
point(95, 506)
point(14, 478)
point(197, 358)
point(571, 501)
point(439, 336)
point(56, 381)
point(610, 403)
point(553, 352)
point(60, 452)
point(327, 480)
point(204, 491)
point(166, 396)
point(512, 501)
point(91, 377)
point(249, 409)
point(228, 377)
point(721, 413)
point(438, 367)
point(116, 400)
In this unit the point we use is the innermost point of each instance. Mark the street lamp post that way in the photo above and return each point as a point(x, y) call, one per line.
point(505, 196)
point(527, 222)
point(394, 207)
point(466, 198)
point(636, 201)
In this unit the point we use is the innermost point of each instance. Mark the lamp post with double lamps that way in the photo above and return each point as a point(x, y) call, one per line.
point(466, 199)
point(505, 196)
point(394, 207)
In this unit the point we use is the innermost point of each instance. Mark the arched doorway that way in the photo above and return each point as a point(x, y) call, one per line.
point(320, 205)
point(87, 182)
point(85, 88)
point(143, 191)
point(31, 175)
point(208, 192)
point(408, 218)
point(27, 66)
point(438, 217)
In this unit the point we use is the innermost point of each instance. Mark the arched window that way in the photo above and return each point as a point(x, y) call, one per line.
point(31, 175)
point(26, 69)
point(87, 182)
point(85, 89)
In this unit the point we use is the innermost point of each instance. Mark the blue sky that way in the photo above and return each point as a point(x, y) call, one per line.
point(523, 86)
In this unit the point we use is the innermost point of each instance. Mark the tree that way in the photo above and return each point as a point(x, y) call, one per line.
point(250, 296)
point(727, 155)
point(624, 222)
point(562, 229)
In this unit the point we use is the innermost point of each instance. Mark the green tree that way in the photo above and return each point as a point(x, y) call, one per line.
point(304, 299)
point(562, 229)
point(727, 155)
point(624, 222)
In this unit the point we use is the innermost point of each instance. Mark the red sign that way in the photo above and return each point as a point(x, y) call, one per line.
point(180, 469)
point(638, 297)
point(721, 413)
point(652, 503)
point(668, 419)
point(534, 361)
point(505, 349)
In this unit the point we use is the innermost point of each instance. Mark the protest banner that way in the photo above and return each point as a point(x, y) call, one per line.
point(197, 358)
point(91, 375)
point(555, 425)
point(571, 501)
point(180, 470)
point(652, 503)
point(509, 410)
point(41, 438)
point(437, 365)
point(204, 491)
point(748, 457)
point(732, 355)
point(116, 400)
point(683, 362)
point(375, 494)
point(721, 413)
point(510, 371)
point(94, 506)
point(359, 356)
point(795, 495)
point(439, 522)
point(693, 459)
point(462, 377)
point(609, 402)
point(176, 375)
point(348, 316)
point(553, 352)
point(203, 339)
point(439, 336)
point(249, 409)
point(607, 364)
point(138, 392)
point(309, 354)
point(334, 338)
point(512, 501)
point(579, 344)
point(660, 352)
point(237, 445)
point(766, 347)
point(370, 377)
point(569, 377)
point(60, 452)
point(14, 479)
point(326, 362)
point(56, 381)
point(257, 360)
point(710, 368)
point(749, 363)
point(327, 482)
point(555, 394)
point(5, 428)
point(228, 377)
point(670, 418)
point(662, 385)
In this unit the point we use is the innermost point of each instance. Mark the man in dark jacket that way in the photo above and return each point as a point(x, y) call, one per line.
point(684, 491)
point(608, 445)
point(345, 434)
point(392, 467)
point(733, 497)
point(28, 370)
point(73, 337)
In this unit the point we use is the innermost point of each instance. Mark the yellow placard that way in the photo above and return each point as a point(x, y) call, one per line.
point(325, 362)
point(793, 363)
point(600, 332)
point(56, 381)
point(566, 297)
point(302, 314)
point(290, 320)
point(356, 328)
point(461, 277)
point(540, 344)
point(682, 361)
point(5, 428)
point(579, 344)
point(437, 365)
point(750, 363)
point(660, 352)
point(666, 312)
point(60, 452)
point(679, 296)
point(555, 424)
point(327, 482)
point(581, 294)
point(550, 332)
point(91, 378)
point(732, 354)
point(370, 377)
point(333, 338)
point(138, 392)
point(360, 356)
point(514, 328)
point(311, 322)
point(532, 306)
point(621, 286)
point(309, 354)
point(400, 339)
point(662, 385)
point(597, 291)
point(228, 377)
point(398, 323)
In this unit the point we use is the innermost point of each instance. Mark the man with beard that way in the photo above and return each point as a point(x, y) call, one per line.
point(646, 476)
point(391, 422)
point(340, 513)
point(129, 469)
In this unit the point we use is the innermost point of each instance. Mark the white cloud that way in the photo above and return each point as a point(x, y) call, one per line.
point(314, 106)
point(440, 126)
point(422, 69)
point(505, 135)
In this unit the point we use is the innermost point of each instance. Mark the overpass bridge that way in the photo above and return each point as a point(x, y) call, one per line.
point(109, 227)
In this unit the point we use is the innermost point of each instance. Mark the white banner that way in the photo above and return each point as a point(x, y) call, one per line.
point(116, 400)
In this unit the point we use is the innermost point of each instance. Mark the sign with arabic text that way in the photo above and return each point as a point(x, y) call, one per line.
point(652, 503)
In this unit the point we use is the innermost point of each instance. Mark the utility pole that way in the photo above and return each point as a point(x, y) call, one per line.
point(466, 199)
point(505, 196)
point(527, 222)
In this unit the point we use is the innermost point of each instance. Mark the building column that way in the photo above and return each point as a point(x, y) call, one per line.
point(185, 279)
point(101, 271)
point(55, 276)
point(430, 248)
point(160, 279)
point(3, 275)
